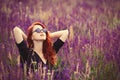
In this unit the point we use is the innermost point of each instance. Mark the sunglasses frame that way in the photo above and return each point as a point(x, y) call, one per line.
point(38, 30)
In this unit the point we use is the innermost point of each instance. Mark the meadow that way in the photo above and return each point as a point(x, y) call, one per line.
point(92, 50)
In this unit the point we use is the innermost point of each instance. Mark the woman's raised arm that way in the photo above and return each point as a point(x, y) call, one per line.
point(63, 35)
point(19, 35)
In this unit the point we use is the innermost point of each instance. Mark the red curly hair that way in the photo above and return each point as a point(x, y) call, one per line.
point(49, 52)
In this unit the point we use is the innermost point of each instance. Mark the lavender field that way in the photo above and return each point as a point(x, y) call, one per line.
point(92, 50)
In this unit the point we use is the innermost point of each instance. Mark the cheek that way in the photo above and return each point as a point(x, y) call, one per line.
point(33, 37)
point(45, 36)
point(37, 36)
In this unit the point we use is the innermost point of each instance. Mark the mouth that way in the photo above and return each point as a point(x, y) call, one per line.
point(41, 34)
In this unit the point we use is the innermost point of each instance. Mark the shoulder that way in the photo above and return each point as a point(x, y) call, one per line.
point(22, 43)
point(58, 44)
point(22, 47)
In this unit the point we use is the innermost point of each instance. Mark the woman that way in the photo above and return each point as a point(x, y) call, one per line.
point(37, 46)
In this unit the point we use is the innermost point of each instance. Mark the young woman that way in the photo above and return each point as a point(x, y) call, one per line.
point(37, 45)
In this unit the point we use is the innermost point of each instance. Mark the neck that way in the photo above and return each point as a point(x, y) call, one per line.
point(38, 46)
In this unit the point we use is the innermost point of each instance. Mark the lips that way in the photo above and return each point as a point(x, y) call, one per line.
point(41, 34)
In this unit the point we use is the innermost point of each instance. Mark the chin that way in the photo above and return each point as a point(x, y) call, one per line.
point(43, 39)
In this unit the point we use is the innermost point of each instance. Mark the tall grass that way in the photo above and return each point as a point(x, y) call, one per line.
point(92, 51)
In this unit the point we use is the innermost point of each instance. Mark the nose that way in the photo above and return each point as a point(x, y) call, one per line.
point(41, 31)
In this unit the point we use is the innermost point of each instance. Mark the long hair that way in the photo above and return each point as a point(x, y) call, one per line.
point(48, 51)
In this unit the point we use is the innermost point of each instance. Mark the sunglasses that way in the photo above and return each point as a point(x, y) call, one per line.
point(38, 30)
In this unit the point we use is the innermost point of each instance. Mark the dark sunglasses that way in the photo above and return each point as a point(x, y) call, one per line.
point(38, 30)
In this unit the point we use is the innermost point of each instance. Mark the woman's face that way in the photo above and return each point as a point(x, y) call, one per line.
point(38, 33)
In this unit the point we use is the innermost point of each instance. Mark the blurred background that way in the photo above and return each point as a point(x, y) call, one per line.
point(92, 51)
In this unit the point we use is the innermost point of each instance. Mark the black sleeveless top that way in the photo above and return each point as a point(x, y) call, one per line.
point(31, 57)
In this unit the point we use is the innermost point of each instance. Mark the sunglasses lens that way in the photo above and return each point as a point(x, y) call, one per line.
point(44, 30)
point(38, 30)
